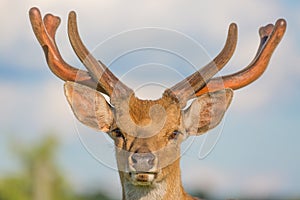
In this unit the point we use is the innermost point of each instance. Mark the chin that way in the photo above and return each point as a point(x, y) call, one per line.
point(143, 178)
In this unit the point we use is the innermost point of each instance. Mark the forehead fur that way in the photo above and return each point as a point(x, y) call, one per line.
point(134, 115)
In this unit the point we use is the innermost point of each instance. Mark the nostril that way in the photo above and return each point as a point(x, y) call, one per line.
point(133, 158)
point(151, 162)
point(151, 159)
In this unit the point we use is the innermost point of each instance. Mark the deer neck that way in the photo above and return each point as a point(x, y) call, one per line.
point(169, 188)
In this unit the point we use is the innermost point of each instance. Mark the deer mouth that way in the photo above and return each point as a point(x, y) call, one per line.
point(142, 178)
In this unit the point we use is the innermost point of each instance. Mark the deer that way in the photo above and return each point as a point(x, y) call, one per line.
point(147, 134)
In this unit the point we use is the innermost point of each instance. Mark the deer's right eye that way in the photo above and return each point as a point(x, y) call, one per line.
point(117, 133)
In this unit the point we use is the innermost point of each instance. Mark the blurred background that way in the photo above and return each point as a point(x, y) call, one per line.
point(46, 154)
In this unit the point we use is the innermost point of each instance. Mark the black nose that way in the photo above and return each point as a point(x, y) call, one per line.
point(143, 161)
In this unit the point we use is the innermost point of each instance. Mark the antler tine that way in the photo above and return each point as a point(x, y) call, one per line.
point(98, 70)
point(186, 88)
point(270, 36)
point(44, 31)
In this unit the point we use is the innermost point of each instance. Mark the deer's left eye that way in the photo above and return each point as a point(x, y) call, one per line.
point(174, 135)
point(117, 133)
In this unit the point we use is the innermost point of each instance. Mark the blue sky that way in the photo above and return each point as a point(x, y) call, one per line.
point(258, 151)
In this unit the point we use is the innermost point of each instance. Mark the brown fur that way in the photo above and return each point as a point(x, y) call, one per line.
point(143, 127)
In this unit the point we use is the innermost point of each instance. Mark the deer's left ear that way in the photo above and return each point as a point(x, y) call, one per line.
point(206, 111)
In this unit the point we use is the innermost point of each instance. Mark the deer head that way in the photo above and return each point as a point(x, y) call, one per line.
point(148, 133)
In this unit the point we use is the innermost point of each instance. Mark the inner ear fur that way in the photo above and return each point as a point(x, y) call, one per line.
point(89, 106)
point(206, 111)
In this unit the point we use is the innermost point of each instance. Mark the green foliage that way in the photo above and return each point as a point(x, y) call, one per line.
point(15, 188)
point(40, 178)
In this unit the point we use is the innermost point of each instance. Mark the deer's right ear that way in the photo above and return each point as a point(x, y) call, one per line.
point(89, 106)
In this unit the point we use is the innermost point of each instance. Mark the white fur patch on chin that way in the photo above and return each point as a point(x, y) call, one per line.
point(144, 192)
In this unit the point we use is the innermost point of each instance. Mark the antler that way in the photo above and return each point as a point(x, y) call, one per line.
point(186, 88)
point(45, 30)
point(101, 78)
point(108, 81)
point(270, 36)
